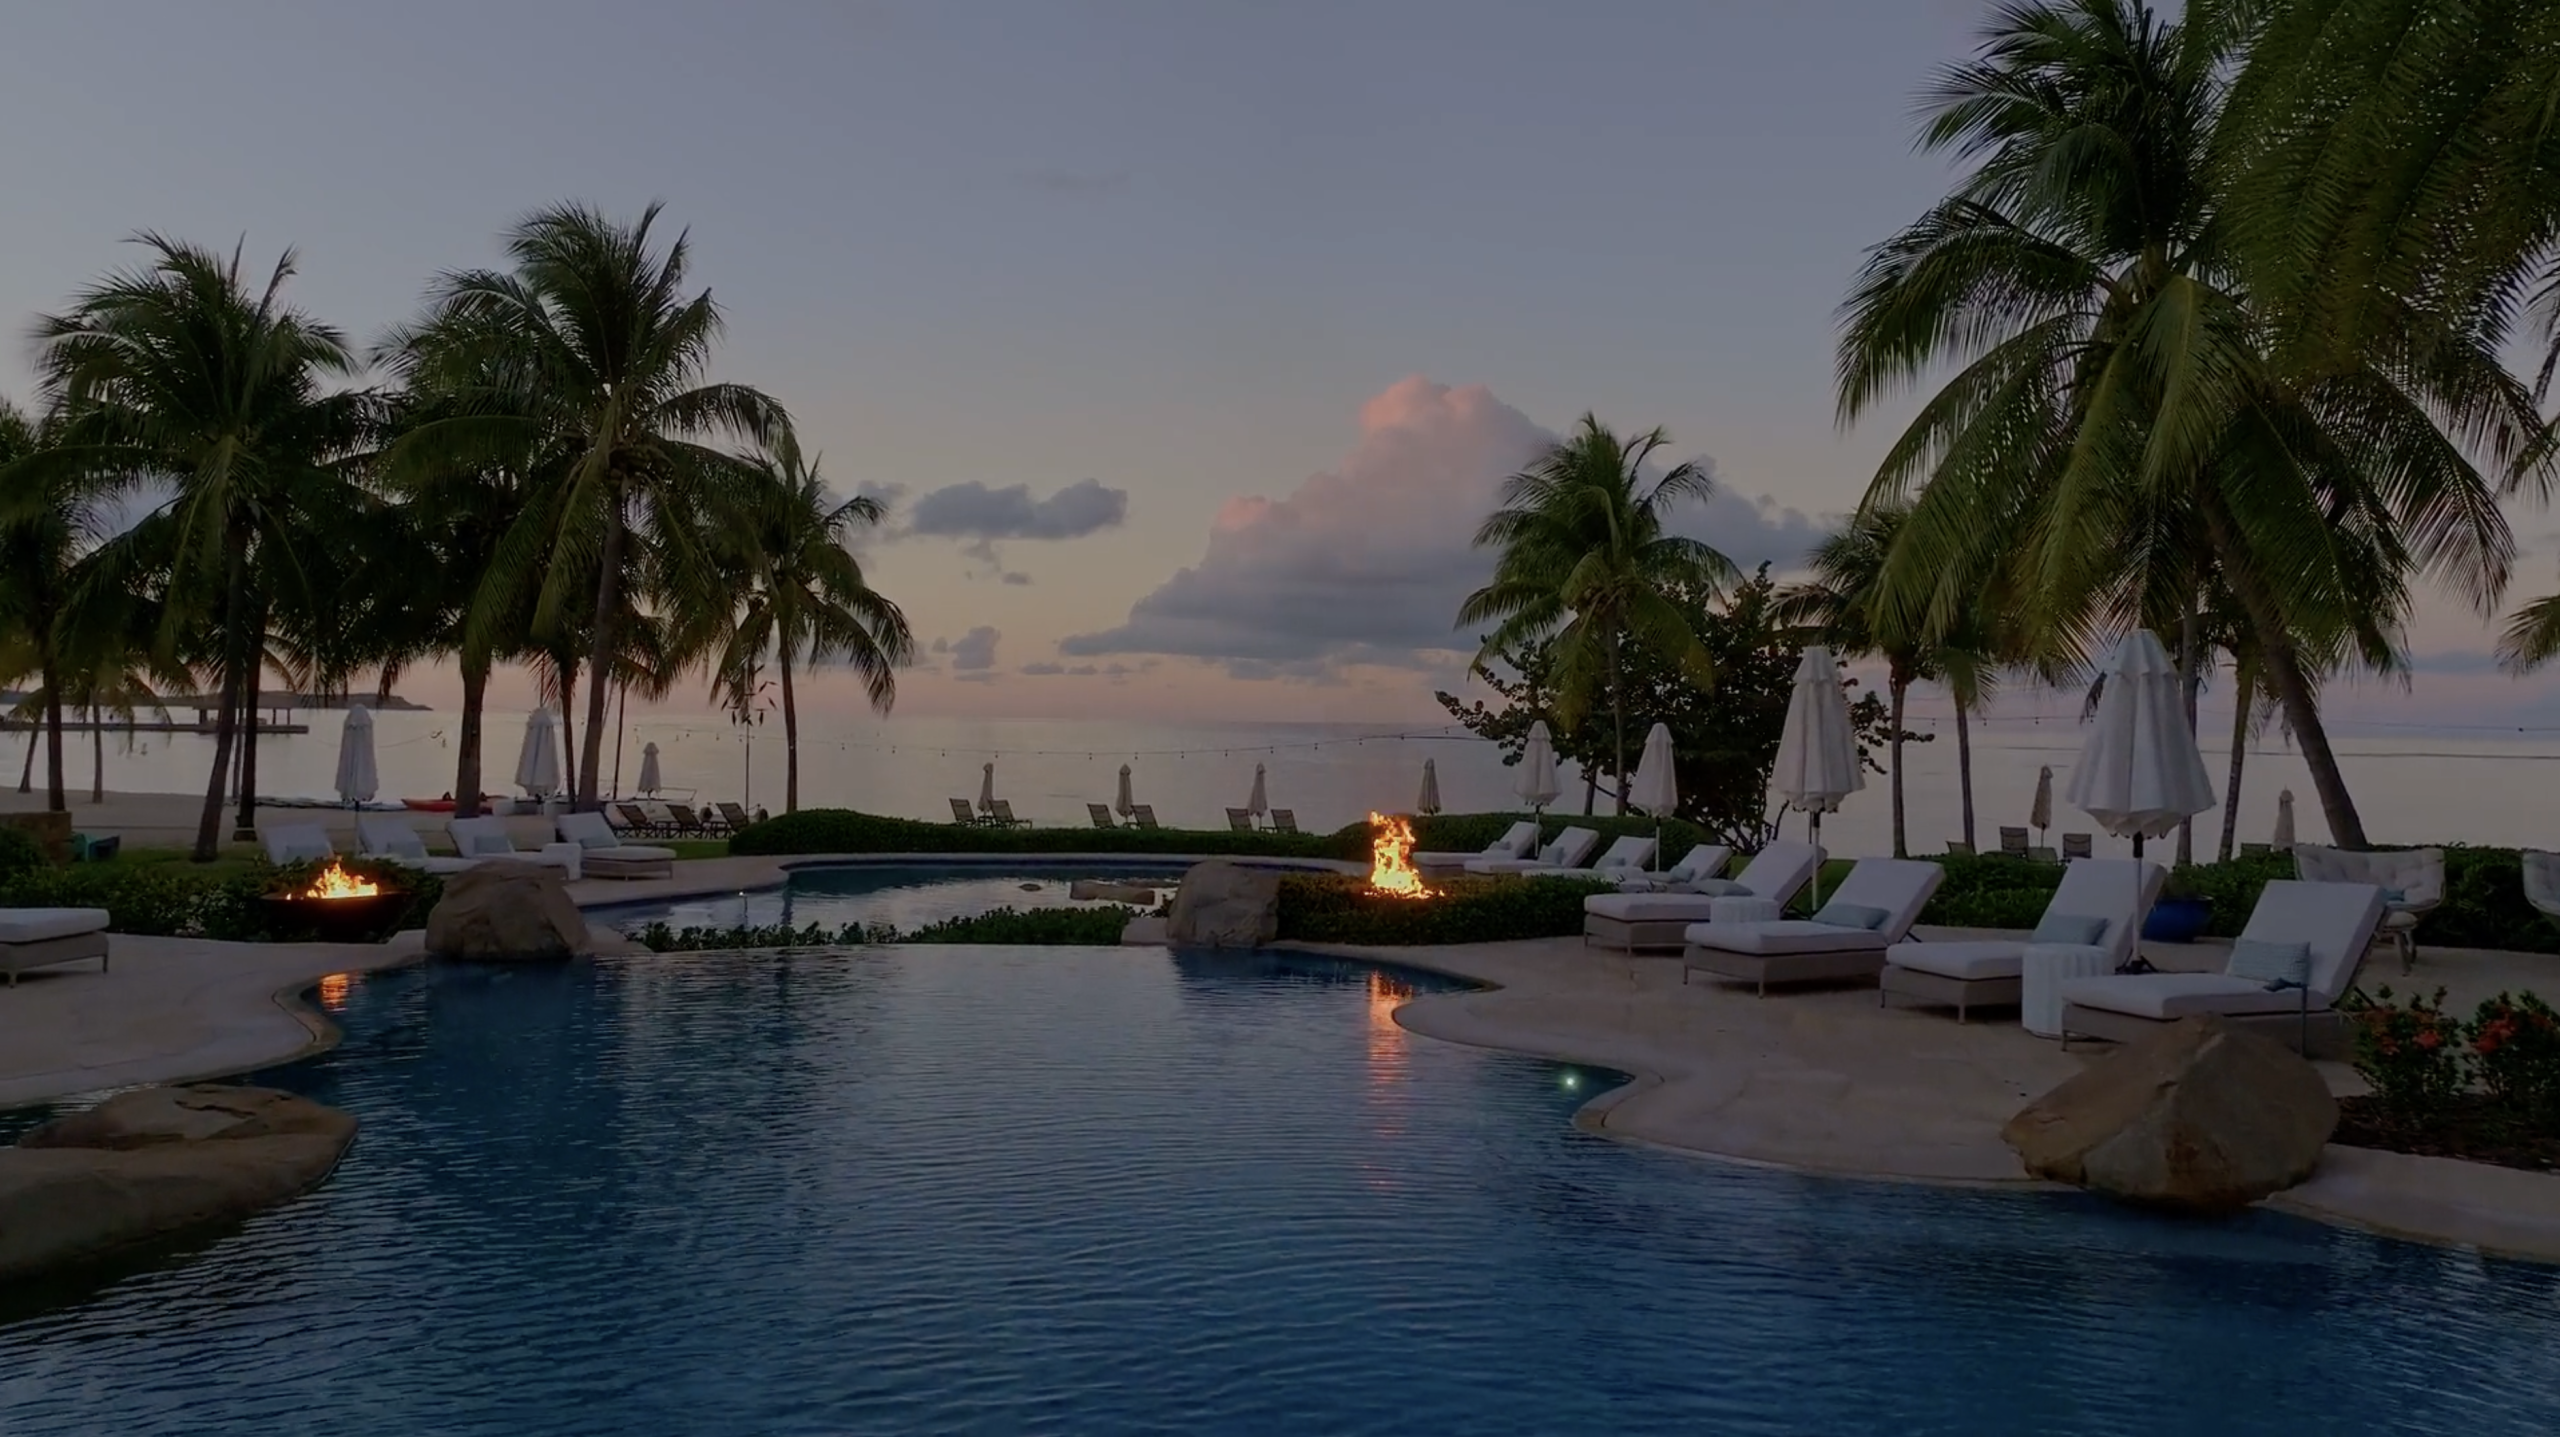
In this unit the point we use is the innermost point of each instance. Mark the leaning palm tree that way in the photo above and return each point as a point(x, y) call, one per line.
point(1844, 602)
point(2111, 376)
point(50, 517)
point(184, 379)
point(1584, 556)
point(804, 599)
point(589, 356)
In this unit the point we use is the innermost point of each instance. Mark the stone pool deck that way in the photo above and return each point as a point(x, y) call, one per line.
point(1825, 1082)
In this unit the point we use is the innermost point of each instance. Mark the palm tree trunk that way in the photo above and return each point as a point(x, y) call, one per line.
point(1901, 690)
point(27, 771)
point(247, 825)
point(600, 652)
point(466, 761)
point(1618, 726)
point(2243, 683)
point(97, 755)
point(2283, 669)
point(1964, 767)
point(790, 736)
point(226, 719)
point(53, 798)
point(2190, 679)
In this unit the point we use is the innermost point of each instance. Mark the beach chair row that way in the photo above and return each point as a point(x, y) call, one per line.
point(649, 819)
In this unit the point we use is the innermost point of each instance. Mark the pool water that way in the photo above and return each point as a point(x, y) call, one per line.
point(966, 1189)
point(903, 896)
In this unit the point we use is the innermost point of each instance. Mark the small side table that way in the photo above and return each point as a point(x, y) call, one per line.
point(563, 856)
point(2042, 970)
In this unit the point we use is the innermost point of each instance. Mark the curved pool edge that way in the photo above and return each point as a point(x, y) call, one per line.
point(699, 878)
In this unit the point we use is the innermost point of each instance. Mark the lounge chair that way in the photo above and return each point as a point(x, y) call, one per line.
point(1517, 841)
point(1761, 891)
point(1000, 813)
point(735, 815)
point(2411, 880)
point(2098, 910)
point(1143, 815)
point(2542, 882)
point(603, 854)
point(1705, 861)
point(684, 822)
point(2327, 926)
point(2042, 854)
point(2013, 842)
point(1239, 821)
point(486, 838)
point(297, 843)
point(388, 836)
point(662, 818)
point(1845, 939)
point(632, 819)
point(1284, 820)
point(1630, 854)
point(1958, 848)
point(2077, 845)
point(1101, 815)
point(1568, 853)
point(963, 814)
point(42, 937)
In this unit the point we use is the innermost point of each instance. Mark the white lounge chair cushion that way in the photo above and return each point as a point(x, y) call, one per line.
point(1651, 907)
point(1629, 852)
point(1785, 935)
point(488, 845)
point(1972, 961)
point(398, 841)
point(298, 843)
point(632, 853)
point(2165, 997)
point(1742, 908)
point(38, 925)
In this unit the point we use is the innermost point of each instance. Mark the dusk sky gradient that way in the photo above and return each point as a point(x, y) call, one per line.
point(1251, 300)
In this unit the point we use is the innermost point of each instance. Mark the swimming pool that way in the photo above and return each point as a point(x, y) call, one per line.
point(904, 896)
point(1115, 1191)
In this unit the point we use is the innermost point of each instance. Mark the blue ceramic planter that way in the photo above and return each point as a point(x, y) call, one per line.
point(2177, 920)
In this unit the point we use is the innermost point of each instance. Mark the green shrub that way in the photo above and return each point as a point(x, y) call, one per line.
point(2515, 1048)
point(2410, 1054)
point(1098, 926)
point(19, 852)
point(1992, 891)
point(1337, 908)
point(152, 901)
point(232, 910)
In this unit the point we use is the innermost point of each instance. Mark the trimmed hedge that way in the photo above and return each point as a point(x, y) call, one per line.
point(19, 852)
point(1337, 908)
point(171, 900)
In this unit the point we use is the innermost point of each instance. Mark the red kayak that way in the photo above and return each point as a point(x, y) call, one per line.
point(428, 805)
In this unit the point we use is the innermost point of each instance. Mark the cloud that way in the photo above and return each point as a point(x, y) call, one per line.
point(972, 652)
point(1074, 182)
point(974, 511)
point(2454, 661)
point(1017, 579)
point(1367, 563)
point(1752, 531)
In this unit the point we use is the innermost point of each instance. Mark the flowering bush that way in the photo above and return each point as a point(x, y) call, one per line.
point(2411, 1053)
point(2515, 1045)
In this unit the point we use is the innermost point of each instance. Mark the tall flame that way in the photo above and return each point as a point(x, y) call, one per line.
point(335, 881)
point(1391, 869)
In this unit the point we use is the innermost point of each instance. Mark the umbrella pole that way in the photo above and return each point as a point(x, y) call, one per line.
point(1813, 826)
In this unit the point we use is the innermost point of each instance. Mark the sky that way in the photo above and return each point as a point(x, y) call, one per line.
point(1188, 338)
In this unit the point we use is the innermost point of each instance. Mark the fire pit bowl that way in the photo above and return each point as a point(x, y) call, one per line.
point(337, 907)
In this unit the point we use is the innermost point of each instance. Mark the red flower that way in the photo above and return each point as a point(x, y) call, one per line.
point(2429, 1039)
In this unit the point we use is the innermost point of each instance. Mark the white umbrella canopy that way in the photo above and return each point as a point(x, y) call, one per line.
point(1260, 803)
point(2139, 773)
point(1818, 749)
point(356, 777)
point(987, 788)
point(1127, 803)
point(538, 761)
point(2040, 813)
point(650, 780)
point(1537, 785)
point(1656, 788)
point(1429, 802)
point(2284, 820)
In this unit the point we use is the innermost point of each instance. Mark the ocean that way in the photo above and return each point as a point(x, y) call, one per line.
point(2410, 788)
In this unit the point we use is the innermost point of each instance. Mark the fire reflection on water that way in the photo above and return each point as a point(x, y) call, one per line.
point(1388, 1054)
point(334, 989)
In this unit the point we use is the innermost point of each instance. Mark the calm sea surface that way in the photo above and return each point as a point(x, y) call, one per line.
point(2411, 789)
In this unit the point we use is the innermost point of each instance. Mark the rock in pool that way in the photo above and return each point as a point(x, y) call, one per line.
point(1225, 905)
point(505, 912)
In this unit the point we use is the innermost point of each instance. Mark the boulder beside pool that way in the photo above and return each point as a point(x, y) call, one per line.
point(154, 1163)
point(1225, 905)
point(2201, 1116)
point(506, 912)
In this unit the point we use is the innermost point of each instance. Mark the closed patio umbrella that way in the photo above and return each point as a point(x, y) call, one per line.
point(1817, 750)
point(356, 777)
point(1656, 789)
point(538, 762)
point(2040, 813)
point(2284, 821)
point(987, 788)
point(1260, 803)
point(2139, 773)
point(650, 780)
point(1537, 785)
point(1430, 801)
point(1127, 803)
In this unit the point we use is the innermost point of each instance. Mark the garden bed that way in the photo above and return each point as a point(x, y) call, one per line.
point(1330, 908)
point(2474, 1128)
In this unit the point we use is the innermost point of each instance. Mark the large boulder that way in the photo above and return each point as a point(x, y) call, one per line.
point(504, 912)
point(1225, 905)
point(2201, 1116)
point(157, 1162)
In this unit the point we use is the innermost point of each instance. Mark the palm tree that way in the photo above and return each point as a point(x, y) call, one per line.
point(2113, 390)
point(803, 597)
point(181, 378)
point(1584, 556)
point(1844, 602)
point(590, 356)
point(50, 516)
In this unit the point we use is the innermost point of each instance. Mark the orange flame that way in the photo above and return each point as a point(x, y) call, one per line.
point(1391, 869)
point(335, 881)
